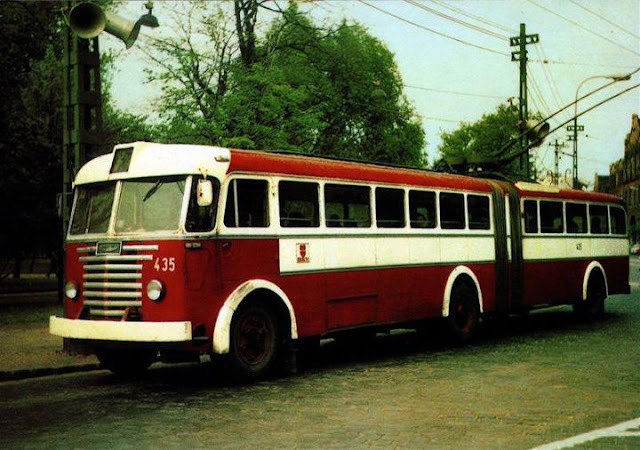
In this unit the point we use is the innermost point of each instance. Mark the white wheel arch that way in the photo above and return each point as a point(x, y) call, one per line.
point(222, 330)
point(587, 273)
point(453, 276)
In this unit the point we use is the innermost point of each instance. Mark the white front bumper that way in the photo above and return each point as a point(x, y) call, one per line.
point(105, 330)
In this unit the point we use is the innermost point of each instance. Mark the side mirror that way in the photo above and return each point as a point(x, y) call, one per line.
point(205, 192)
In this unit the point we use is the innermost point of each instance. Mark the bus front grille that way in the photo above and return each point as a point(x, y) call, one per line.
point(112, 283)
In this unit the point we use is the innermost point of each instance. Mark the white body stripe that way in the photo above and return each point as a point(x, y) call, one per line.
point(567, 247)
point(336, 253)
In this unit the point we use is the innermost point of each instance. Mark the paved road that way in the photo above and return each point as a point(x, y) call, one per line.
point(535, 380)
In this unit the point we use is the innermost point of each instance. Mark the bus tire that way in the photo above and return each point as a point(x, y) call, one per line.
point(593, 306)
point(126, 363)
point(255, 342)
point(464, 313)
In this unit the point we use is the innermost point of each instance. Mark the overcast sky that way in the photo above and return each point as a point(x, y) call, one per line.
point(455, 61)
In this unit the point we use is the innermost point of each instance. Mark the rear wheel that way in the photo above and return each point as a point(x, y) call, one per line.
point(126, 362)
point(464, 314)
point(593, 306)
point(255, 341)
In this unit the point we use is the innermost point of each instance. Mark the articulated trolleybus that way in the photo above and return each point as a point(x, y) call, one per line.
point(181, 251)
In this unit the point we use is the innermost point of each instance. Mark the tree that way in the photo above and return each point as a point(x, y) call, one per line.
point(488, 140)
point(302, 88)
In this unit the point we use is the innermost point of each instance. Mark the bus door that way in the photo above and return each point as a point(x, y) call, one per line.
point(508, 246)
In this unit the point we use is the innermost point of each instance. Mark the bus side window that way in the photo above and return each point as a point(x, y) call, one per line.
point(347, 206)
point(422, 205)
point(452, 211)
point(618, 220)
point(530, 216)
point(599, 219)
point(389, 208)
point(247, 204)
point(478, 212)
point(201, 218)
point(298, 204)
point(551, 220)
point(576, 217)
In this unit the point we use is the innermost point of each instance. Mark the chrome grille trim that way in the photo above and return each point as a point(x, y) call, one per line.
point(112, 282)
point(116, 258)
point(108, 303)
point(123, 267)
point(112, 276)
point(112, 285)
point(104, 294)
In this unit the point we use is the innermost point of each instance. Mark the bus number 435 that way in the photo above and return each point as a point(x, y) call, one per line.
point(165, 264)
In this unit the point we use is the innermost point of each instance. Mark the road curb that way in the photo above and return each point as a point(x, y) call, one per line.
point(22, 374)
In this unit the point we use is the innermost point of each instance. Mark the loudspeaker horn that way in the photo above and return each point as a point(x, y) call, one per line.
point(88, 20)
point(536, 131)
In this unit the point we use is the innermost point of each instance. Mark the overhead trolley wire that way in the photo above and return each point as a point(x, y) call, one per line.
point(422, 27)
point(579, 25)
point(636, 36)
point(474, 17)
point(469, 94)
point(456, 20)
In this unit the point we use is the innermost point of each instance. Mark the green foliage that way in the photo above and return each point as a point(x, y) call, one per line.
point(490, 139)
point(300, 88)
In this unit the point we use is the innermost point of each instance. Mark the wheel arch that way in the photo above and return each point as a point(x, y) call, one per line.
point(594, 268)
point(249, 291)
point(464, 274)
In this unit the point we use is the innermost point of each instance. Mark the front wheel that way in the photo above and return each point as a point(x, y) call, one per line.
point(464, 314)
point(255, 342)
point(126, 362)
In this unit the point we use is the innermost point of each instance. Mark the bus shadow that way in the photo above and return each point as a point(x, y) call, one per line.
point(397, 346)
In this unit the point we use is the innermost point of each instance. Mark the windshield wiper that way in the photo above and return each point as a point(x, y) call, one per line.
point(152, 190)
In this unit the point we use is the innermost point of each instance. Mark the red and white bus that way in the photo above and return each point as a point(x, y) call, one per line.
point(185, 250)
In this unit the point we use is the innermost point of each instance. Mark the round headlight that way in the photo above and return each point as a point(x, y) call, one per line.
point(155, 290)
point(71, 290)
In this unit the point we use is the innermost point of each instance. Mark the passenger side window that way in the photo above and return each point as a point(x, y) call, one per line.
point(247, 204)
point(551, 220)
point(598, 219)
point(451, 211)
point(389, 208)
point(298, 204)
point(618, 220)
point(422, 205)
point(347, 206)
point(478, 212)
point(576, 218)
point(530, 216)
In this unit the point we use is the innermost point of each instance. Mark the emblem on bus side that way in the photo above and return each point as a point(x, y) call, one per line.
point(302, 252)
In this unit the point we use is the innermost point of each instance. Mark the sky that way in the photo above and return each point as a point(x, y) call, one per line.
point(454, 58)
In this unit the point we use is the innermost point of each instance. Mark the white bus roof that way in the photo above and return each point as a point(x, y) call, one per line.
point(148, 159)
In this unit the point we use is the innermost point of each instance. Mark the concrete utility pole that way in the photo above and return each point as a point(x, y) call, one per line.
point(520, 55)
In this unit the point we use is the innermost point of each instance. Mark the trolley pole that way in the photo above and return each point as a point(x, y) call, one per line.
point(520, 55)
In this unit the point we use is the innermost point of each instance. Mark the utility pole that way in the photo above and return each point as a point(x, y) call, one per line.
point(556, 170)
point(574, 137)
point(520, 55)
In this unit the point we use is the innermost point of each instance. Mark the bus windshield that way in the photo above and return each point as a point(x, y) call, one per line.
point(144, 205)
point(150, 205)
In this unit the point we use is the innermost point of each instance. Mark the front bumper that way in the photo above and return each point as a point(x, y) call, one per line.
point(104, 330)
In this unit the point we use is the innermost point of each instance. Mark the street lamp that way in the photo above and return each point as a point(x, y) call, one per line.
point(575, 127)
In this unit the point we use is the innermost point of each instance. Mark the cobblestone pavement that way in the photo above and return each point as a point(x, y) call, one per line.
point(535, 380)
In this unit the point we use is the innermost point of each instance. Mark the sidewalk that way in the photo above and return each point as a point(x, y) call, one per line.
point(27, 349)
